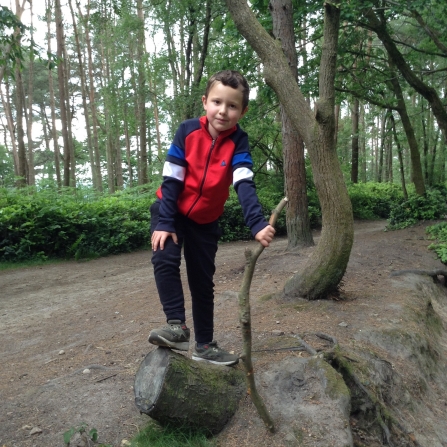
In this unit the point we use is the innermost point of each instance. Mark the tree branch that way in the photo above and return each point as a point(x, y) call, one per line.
point(245, 319)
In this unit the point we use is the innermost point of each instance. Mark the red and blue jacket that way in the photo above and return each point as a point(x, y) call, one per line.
point(198, 172)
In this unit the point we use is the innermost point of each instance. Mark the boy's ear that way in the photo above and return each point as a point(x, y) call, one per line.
point(204, 101)
point(244, 111)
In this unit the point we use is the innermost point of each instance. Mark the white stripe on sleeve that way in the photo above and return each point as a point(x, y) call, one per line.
point(242, 174)
point(174, 171)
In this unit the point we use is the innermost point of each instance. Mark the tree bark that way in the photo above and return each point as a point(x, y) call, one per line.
point(29, 123)
point(173, 389)
point(142, 172)
point(245, 319)
point(10, 121)
point(7, 50)
point(416, 167)
point(23, 167)
point(61, 71)
point(297, 215)
point(57, 155)
point(84, 99)
point(92, 99)
point(401, 162)
point(355, 141)
point(323, 271)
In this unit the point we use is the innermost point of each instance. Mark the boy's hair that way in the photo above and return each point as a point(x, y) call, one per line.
point(232, 79)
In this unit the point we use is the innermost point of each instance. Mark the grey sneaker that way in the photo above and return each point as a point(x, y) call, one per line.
point(213, 354)
point(174, 335)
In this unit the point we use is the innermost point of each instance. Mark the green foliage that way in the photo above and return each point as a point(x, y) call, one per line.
point(82, 430)
point(8, 24)
point(155, 436)
point(80, 224)
point(374, 200)
point(439, 232)
point(45, 224)
point(428, 207)
point(232, 220)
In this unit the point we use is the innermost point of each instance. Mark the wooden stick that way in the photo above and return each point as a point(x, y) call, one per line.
point(245, 319)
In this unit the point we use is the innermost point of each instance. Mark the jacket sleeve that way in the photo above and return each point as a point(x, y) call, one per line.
point(245, 187)
point(174, 171)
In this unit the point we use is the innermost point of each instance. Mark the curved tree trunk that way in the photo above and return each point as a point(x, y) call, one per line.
point(324, 270)
point(173, 389)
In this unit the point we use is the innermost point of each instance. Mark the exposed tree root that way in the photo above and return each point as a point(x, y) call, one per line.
point(433, 273)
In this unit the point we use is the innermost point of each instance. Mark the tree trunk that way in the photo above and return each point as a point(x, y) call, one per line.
point(23, 168)
point(84, 99)
point(57, 156)
point(7, 49)
point(323, 271)
point(10, 120)
point(142, 172)
point(92, 99)
point(416, 167)
point(381, 148)
point(61, 67)
point(434, 160)
point(153, 89)
point(401, 162)
point(355, 142)
point(29, 123)
point(110, 152)
point(70, 114)
point(48, 166)
point(297, 215)
point(377, 22)
point(173, 389)
point(362, 146)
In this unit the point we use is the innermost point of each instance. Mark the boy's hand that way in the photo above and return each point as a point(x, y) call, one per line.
point(159, 238)
point(265, 236)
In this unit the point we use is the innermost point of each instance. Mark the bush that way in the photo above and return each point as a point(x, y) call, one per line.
point(374, 200)
point(232, 220)
point(430, 206)
point(439, 232)
point(66, 225)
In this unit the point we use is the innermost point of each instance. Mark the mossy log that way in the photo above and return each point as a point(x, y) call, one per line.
point(172, 388)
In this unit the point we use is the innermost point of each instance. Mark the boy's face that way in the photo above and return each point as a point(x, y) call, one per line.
point(223, 108)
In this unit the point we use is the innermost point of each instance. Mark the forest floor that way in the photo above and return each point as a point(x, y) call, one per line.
point(74, 333)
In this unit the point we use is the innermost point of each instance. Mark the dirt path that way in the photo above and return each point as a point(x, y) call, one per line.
point(73, 334)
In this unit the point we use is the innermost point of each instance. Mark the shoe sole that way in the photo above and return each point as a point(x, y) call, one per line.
point(214, 362)
point(157, 340)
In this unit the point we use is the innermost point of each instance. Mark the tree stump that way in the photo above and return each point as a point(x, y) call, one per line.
point(172, 388)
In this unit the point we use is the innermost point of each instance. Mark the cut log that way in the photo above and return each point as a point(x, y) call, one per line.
point(173, 389)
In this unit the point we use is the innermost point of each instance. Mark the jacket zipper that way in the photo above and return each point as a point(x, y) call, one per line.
point(204, 176)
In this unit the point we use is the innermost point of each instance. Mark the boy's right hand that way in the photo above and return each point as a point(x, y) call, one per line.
point(159, 238)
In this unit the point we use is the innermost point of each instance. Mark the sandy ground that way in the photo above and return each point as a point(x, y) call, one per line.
point(74, 333)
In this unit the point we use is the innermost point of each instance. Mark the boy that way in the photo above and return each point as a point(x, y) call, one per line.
point(206, 156)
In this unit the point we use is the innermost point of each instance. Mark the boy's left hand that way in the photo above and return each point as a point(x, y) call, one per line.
point(265, 236)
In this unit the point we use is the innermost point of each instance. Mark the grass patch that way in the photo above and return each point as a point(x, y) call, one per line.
point(153, 435)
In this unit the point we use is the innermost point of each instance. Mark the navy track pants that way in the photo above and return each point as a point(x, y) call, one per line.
point(199, 242)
